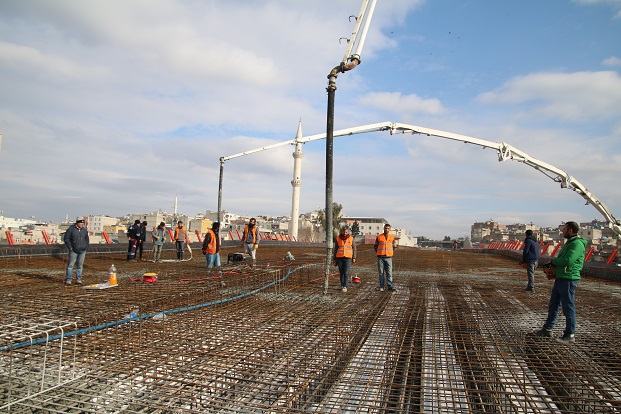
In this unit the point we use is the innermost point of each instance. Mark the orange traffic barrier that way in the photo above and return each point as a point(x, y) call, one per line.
point(612, 256)
point(558, 246)
point(106, 237)
point(9, 237)
point(45, 236)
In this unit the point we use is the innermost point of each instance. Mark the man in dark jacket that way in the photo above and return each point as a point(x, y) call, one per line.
point(76, 239)
point(530, 258)
point(567, 267)
point(133, 235)
point(141, 240)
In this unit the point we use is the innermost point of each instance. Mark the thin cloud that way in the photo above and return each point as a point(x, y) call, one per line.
point(612, 61)
point(568, 96)
point(615, 5)
point(402, 105)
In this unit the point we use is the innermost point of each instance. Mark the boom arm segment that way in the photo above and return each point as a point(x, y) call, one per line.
point(506, 151)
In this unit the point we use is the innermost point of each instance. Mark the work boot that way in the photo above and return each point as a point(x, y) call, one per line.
point(543, 332)
point(566, 339)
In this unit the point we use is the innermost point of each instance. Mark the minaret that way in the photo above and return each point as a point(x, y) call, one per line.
point(296, 183)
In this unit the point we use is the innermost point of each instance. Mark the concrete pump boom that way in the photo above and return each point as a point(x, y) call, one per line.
point(504, 151)
point(508, 152)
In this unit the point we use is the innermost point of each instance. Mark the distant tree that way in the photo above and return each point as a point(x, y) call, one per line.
point(336, 218)
point(355, 228)
point(447, 238)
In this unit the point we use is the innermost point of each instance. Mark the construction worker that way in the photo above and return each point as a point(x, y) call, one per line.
point(181, 239)
point(250, 239)
point(211, 248)
point(133, 236)
point(385, 245)
point(567, 267)
point(76, 239)
point(344, 255)
point(141, 240)
point(159, 237)
point(530, 259)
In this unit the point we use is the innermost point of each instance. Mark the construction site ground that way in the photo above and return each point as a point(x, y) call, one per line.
point(455, 337)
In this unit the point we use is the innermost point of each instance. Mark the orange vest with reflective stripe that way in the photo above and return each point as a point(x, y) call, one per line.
point(384, 245)
point(253, 232)
point(211, 247)
point(345, 247)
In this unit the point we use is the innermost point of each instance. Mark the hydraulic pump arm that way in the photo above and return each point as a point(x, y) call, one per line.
point(506, 152)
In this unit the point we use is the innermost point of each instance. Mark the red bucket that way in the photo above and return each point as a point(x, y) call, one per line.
point(149, 277)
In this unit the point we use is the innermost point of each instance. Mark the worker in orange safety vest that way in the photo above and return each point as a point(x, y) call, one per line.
point(344, 255)
point(250, 239)
point(212, 247)
point(385, 245)
point(181, 238)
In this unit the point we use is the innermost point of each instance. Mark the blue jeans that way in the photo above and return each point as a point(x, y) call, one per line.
point(384, 267)
point(344, 264)
point(212, 259)
point(563, 293)
point(73, 259)
point(157, 252)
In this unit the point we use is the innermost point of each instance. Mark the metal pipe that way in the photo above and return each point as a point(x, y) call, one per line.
point(220, 190)
point(329, 172)
point(365, 29)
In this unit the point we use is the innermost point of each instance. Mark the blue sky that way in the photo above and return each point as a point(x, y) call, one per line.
point(117, 107)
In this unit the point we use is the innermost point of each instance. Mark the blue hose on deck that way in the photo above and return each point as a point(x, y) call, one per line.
point(139, 317)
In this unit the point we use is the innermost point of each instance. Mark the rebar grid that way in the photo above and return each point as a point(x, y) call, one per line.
point(269, 341)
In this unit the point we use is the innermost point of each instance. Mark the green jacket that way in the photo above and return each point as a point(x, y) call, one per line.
point(569, 262)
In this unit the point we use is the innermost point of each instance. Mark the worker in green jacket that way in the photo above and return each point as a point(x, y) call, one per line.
point(567, 267)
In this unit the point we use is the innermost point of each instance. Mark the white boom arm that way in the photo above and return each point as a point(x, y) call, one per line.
point(504, 151)
point(508, 152)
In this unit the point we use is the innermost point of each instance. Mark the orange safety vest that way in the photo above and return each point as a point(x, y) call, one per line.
point(384, 246)
point(211, 247)
point(179, 231)
point(345, 247)
point(254, 234)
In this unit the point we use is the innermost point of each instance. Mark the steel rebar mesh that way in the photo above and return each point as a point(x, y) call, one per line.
point(453, 338)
